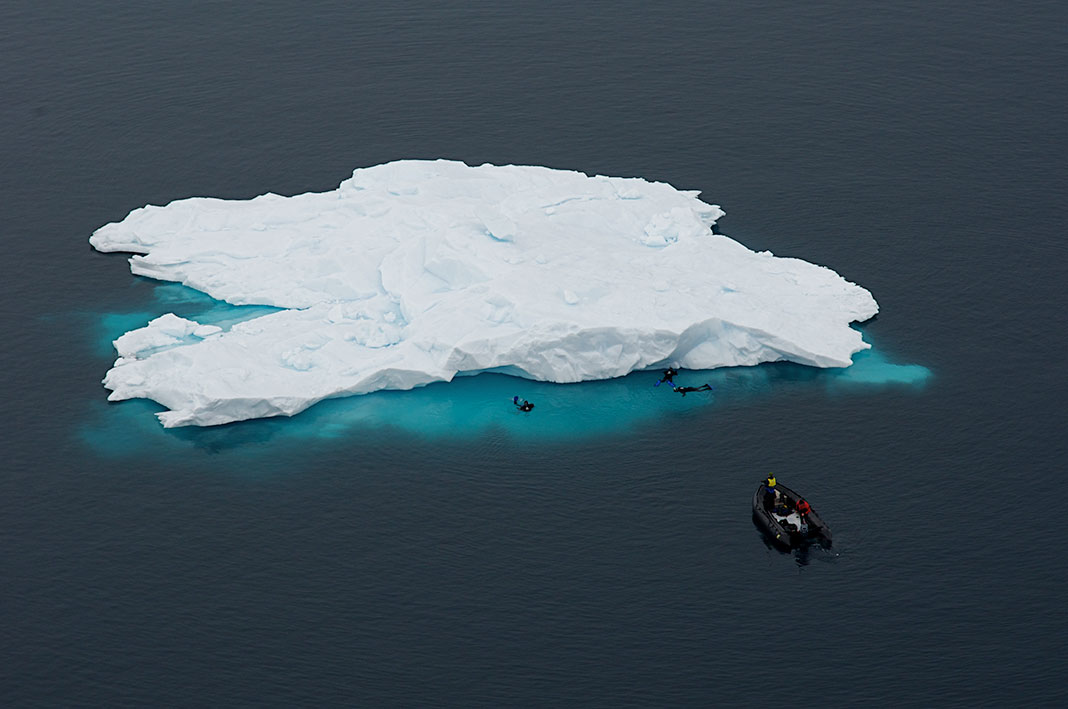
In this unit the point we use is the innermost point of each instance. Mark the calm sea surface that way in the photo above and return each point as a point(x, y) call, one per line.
point(345, 558)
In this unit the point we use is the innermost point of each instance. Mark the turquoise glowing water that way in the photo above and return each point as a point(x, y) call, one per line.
point(472, 406)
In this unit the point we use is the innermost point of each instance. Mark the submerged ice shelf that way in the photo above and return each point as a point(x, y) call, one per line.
point(418, 271)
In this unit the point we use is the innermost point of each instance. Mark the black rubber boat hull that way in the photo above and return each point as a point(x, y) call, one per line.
point(818, 531)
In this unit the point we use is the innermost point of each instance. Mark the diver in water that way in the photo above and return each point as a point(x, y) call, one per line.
point(683, 390)
point(669, 376)
point(522, 406)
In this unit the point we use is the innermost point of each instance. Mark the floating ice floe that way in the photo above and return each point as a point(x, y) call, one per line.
point(419, 271)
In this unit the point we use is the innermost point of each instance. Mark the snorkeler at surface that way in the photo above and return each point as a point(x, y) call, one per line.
point(669, 376)
point(522, 406)
point(683, 390)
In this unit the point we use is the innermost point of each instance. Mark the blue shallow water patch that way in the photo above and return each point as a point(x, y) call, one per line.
point(473, 406)
point(169, 298)
point(193, 304)
point(468, 406)
point(872, 367)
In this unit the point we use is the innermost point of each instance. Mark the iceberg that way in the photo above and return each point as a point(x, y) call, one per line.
point(420, 271)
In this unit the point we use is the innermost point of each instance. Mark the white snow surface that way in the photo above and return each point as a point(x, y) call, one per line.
point(418, 271)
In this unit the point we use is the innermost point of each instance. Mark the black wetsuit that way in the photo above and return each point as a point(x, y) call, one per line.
point(769, 498)
point(669, 375)
point(683, 390)
point(525, 406)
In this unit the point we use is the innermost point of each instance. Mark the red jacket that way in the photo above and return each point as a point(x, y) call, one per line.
point(803, 507)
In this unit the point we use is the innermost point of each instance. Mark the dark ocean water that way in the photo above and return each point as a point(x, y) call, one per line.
point(917, 148)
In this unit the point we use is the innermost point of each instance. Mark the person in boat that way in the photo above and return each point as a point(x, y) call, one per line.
point(803, 508)
point(683, 390)
point(771, 495)
point(522, 406)
point(669, 376)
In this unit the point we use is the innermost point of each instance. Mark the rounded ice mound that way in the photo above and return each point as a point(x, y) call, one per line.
point(416, 271)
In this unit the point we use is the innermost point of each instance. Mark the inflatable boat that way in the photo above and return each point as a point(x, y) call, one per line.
point(778, 518)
